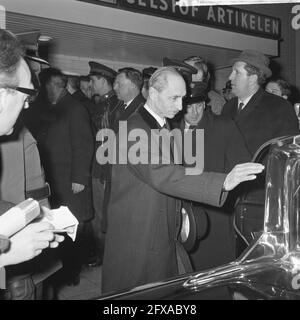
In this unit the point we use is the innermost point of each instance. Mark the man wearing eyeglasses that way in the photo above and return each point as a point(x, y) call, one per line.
point(16, 98)
point(15, 91)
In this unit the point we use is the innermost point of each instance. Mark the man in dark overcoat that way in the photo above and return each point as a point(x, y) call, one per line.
point(128, 85)
point(67, 150)
point(260, 116)
point(144, 213)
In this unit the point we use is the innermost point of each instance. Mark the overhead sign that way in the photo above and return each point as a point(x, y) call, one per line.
point(224, 17)
point(234, 2)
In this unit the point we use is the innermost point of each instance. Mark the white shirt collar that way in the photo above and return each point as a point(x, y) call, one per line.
point(186, 126)
point(245, 101)
point(158, 118)
point(128, 103)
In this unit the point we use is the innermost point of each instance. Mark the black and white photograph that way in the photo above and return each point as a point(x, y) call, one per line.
point(149, 150)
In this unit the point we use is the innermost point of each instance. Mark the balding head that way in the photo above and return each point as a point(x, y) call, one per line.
point(160, 78)
point(166, 90)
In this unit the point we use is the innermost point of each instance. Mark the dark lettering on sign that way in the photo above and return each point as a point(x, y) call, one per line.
point(224, 17)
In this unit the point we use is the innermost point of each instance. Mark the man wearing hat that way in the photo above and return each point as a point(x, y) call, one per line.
point(33, 116)
point(67, 151)
point(211, 237)
point(186, 70)
point(202, 80)
point(102, 79)
point(260, 116)
point(227, 91)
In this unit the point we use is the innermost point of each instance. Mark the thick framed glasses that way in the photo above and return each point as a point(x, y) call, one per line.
point(31, 93)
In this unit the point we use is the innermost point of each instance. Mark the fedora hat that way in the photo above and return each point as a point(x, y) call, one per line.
point(256, 59)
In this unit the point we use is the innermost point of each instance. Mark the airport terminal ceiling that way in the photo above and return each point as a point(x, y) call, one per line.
point(99, 43)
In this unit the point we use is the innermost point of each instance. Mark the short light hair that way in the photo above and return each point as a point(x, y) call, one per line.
point(159, 79)
point(11, 53)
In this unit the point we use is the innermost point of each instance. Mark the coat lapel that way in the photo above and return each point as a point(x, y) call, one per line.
point(147, 117)
point(153, 124)
point(134, 105)
point(250, 106)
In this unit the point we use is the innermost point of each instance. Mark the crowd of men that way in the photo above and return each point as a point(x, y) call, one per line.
point(130, 214)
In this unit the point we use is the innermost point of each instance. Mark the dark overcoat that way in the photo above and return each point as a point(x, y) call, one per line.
point(67, 149)
point(144, 213)
point(123, 114)
point(266, 116)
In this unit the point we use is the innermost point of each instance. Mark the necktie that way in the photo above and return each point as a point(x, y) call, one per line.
point(192, 127)
point(166, 125)
point(172, 141)
point(240, 107)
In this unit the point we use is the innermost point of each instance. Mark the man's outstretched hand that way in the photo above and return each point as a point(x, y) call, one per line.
point(240, 173)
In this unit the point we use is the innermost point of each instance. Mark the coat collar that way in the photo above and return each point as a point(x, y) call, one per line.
point(253, 103)
point(148, 118)
point(134, 105)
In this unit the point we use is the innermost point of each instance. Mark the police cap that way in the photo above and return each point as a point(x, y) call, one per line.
point(182, 67)
point(101, 70)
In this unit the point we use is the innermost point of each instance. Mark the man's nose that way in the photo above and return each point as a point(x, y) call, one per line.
point(194, 109)
point(179, 105)
point(230, 76)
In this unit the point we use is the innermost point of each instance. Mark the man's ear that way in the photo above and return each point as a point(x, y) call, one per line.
point(153, 93)
point(253, 78)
